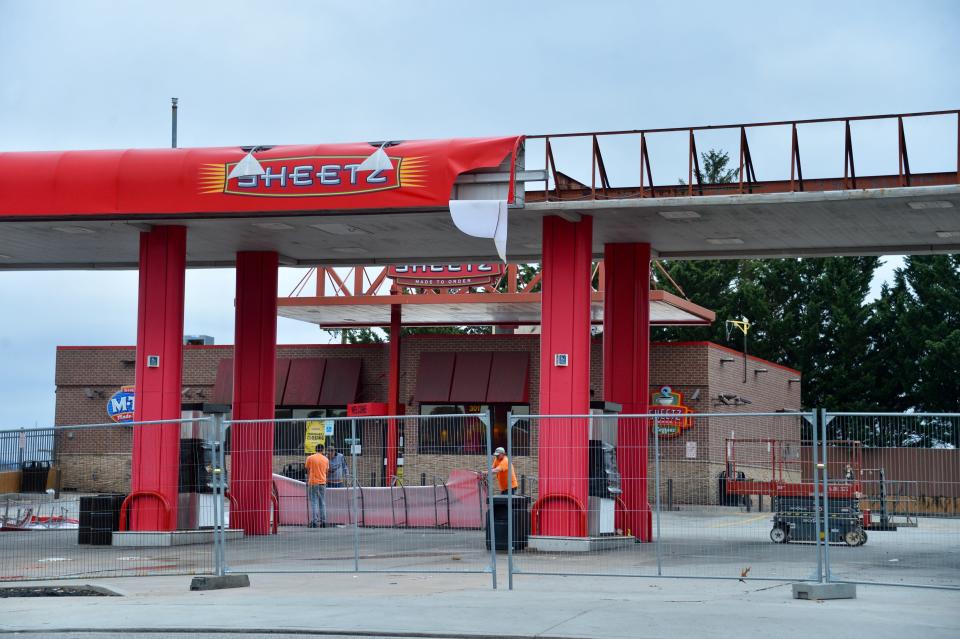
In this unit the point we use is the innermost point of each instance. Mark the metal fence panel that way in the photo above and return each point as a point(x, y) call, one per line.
point(701, 524)
point(20, 446)
point(67, 530)
point(429, 517)
point(732, 495)
point(905, 471)
point(733, 501)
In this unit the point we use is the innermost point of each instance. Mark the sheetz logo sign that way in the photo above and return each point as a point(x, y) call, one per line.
point(445, 275)
point(314, 176)
point(120, 405)
point(668, 406)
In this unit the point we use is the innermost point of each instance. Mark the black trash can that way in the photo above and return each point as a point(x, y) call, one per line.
point(521, 521)
point(723, 497)
point(296, 471)
point(99, 518)
point(34, 476)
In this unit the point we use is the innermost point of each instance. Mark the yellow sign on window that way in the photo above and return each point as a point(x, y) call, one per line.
point(315, 434)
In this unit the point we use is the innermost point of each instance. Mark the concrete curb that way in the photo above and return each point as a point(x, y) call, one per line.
point(220, 583)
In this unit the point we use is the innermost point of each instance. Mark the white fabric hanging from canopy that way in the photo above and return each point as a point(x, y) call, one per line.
point(482, 218)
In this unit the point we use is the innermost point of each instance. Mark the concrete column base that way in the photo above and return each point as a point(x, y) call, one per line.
point(220, 583)
point(824, 591)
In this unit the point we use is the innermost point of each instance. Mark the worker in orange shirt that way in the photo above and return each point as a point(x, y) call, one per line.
point(502, 466)
point(317, 465)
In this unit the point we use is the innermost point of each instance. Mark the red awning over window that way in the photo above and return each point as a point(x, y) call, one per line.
point(304, 382)
point(341, 379)
point(314, 381)
point(471, 374)
point(509, 378)
point(223, 387)
point(434, 377)
point(474, 377)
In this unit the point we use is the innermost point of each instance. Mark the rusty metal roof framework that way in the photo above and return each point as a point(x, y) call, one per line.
point(357, 298)
point(565, 189)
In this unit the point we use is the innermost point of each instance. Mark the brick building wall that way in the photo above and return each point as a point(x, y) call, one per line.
point(87, 376)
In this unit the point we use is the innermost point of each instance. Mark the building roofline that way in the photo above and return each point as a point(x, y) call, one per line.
point(732, 351)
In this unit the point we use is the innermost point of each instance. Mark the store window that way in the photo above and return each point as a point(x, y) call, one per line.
point(288, 436)
point(455, 429)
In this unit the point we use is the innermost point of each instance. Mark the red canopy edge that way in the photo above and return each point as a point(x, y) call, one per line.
point(180, 182)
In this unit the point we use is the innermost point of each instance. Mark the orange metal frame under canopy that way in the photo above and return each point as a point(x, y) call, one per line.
point(363, 295)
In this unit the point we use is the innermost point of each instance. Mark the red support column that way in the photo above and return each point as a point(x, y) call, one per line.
point(156, 448)
point(565, 390)
point(254, 389)
point(626, 371)
point(393, 392)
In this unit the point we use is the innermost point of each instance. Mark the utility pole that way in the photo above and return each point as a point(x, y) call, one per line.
point(173, 115)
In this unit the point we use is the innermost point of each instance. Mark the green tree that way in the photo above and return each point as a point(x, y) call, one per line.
point(916, 349)
point(713, 168)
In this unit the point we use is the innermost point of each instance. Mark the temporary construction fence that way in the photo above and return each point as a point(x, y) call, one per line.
point(428, 516)
point(68, 529)
point(707, 477)
point(730, 495)
point(868, 498)
point(907, 468)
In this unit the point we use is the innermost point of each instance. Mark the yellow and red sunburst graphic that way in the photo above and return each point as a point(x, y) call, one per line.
point(314, 176)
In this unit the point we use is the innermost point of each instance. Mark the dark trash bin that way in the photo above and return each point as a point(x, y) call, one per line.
point(521, 521)
point(723, 497)
point(296, 471)
point(193, 474)
point(99, 518)
point(34, 476)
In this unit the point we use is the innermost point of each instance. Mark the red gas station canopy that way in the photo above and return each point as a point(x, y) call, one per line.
point(192, 182)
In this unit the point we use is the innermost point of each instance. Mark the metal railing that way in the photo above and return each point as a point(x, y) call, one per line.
point(600, 186)
point(21, 446)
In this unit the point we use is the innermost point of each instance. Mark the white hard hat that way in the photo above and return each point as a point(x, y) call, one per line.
point(500, 451)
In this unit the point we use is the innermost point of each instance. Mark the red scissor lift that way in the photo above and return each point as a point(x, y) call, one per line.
point(780, 465)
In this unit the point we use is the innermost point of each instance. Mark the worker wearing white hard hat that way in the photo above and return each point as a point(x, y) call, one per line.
point(501, 467)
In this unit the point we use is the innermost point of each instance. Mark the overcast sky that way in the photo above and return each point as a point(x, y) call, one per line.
point(88, 75)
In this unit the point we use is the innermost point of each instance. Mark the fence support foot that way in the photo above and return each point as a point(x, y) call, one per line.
point(219, 583)
point(824, 591)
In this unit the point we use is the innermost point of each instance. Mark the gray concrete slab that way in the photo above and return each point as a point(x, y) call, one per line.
point(696, 543)
point(464, 605)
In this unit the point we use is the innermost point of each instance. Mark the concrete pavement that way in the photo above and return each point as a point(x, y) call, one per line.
point(463, 605)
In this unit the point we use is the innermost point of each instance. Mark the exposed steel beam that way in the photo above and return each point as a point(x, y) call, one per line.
point(771, 186)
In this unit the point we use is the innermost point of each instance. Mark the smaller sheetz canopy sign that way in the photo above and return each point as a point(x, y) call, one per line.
point(174, 182)
point(445, 275)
